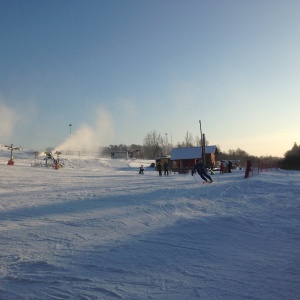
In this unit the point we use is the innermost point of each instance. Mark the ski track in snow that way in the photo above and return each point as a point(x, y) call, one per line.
point(96, 229)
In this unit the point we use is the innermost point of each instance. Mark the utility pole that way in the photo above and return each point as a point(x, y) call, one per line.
point(166, 144)
point(202, 143)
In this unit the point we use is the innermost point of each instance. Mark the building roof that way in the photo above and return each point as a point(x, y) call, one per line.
point(191, 152)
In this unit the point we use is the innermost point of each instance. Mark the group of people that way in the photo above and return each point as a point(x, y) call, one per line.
point(159, 168)
point(222, 168)
point(165, 167)
point(199, 168)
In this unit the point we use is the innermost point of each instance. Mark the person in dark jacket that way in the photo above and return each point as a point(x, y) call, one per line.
point(159, 167)
point(166, 171)
point(200, 168)
point(141, 169)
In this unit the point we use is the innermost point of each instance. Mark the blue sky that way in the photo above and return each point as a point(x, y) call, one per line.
point(117, 70)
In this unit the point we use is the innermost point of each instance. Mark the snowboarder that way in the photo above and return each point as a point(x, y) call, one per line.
point(159, 169)
point(200, 168)
point(229, 166)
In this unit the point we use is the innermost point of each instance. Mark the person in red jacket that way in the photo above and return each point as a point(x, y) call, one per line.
point(221, 168)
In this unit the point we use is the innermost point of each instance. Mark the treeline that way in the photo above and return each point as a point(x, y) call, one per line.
point(291, 160)
point(151, 151)
point(155, 145)
point(106, 151)
point(237, 154)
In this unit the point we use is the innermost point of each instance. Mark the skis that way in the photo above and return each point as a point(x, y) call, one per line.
point(204, 182)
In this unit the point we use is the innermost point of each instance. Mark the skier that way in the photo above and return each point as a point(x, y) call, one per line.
point(200, 167)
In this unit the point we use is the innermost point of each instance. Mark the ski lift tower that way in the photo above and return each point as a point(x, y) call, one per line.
point(11, 148)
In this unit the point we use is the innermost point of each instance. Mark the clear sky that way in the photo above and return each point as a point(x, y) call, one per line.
point(116, 70)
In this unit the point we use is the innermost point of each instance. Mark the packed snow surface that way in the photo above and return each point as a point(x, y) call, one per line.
point(96, 229)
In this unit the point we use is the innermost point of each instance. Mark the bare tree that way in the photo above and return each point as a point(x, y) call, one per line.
point(199, 141)
point(188, 139)
point(153, 144)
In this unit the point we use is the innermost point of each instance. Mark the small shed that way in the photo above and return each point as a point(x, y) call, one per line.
point(119, 154)
point(184, 159)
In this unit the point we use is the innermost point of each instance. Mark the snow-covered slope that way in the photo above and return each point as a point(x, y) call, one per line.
point(96, 229)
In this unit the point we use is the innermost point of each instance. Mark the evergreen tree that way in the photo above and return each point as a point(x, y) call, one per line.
point(291, 159)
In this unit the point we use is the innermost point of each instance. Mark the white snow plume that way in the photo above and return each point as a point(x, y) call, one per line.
point(9, 119)
point(88, 139)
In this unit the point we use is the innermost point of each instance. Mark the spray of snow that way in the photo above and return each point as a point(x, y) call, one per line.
point(89, 139)
point(9, 119)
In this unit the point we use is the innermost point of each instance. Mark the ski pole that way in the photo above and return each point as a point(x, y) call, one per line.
point(195, 179)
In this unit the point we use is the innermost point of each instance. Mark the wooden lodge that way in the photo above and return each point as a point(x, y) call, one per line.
point(184, 159)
